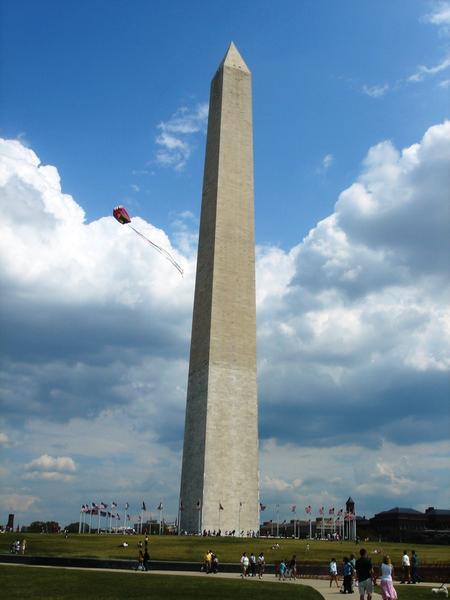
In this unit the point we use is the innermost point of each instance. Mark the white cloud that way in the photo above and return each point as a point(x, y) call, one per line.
point(440, 15)
point(51, 463)
point(375, 91)
point(423, 71)
point(17, 502)
point(175, 137)
point(444, 84)
point(50, 468)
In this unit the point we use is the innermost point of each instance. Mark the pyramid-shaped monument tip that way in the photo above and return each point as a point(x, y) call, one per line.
point(234, 60)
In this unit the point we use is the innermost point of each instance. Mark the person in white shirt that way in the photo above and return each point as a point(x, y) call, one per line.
point(333, 572)
point(244, 564)
point(386, 571)
point(406, 568)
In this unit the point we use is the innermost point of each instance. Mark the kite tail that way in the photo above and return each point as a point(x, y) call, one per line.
point(160, 250)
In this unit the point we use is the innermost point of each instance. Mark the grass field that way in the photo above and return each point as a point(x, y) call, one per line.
point(227, 549)
point(412, 592)
point(60, 584)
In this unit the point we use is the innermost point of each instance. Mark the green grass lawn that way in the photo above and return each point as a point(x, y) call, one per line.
point(60, 584)
point(227, 549)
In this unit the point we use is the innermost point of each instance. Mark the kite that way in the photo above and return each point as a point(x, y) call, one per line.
point(120, 214)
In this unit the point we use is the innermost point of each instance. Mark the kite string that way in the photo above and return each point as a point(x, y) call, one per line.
point(159, 249)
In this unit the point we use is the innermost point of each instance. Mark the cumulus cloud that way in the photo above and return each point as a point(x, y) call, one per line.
point(175, 137)
point(363, 322)
point(49, 468)
point(51, 463)
point(353, 348)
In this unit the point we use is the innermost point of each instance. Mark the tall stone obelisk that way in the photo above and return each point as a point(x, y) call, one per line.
point(219, 480)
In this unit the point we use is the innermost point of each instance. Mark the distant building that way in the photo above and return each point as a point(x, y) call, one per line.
point(437, 519)
point(402, 524)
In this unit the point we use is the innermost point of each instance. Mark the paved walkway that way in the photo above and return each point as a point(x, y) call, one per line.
point(321, 585)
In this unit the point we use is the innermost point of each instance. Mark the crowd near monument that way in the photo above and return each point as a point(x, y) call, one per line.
point(219, 480)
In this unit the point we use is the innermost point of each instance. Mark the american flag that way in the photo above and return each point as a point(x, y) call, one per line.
point(262, 507)
point(103, 505)
point(160, 506)
point(308, 510)
point(294, 508)
point(321, 510)
point(331, 511)
point(113, 504)
point(340, 512)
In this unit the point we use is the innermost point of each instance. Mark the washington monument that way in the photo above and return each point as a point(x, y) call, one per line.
point(219, 479)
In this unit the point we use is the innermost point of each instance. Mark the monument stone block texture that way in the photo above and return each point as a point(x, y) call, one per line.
point(220, 454)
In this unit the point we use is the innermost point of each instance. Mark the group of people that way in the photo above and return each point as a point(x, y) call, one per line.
point(252, 566)
point(288, 569)
point(410, 568)
point(143, 555)
point(210, 562)
point(18, 547)
point(229, 533)
point(362, 571)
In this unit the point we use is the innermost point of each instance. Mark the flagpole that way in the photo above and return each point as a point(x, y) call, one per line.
point(278, 520)
point(124, 517)
point(90, 520)
point(79, 524)
point(295, 523)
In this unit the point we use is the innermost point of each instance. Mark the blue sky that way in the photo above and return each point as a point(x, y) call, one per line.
point(106, 102)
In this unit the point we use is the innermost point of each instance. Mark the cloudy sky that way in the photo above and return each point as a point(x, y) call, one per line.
point(106, 102)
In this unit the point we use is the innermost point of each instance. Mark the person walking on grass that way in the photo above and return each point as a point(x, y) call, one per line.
point(364, 572)
point(406, 568)
point(332, 568)
point(387, 587)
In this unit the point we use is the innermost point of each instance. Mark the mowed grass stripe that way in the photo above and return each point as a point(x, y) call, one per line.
point(192, 549)
point(61, 584)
